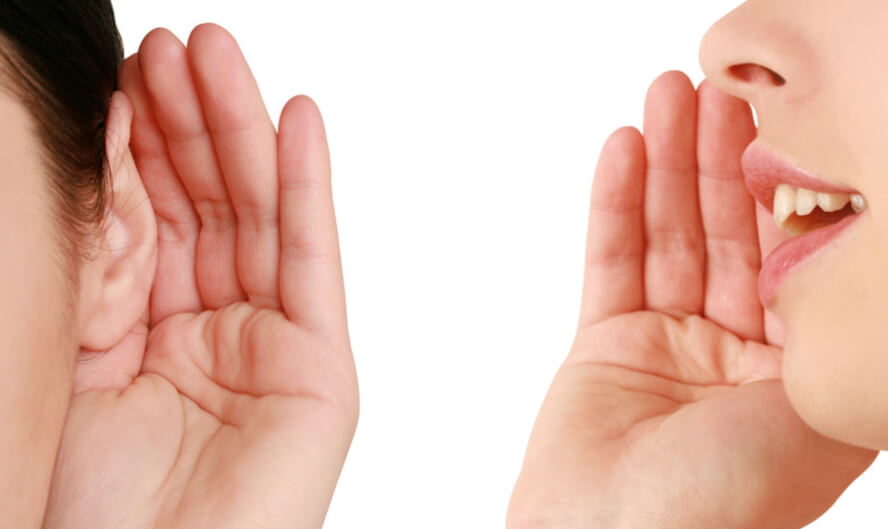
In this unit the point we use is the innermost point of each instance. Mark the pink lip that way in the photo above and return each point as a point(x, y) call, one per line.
point(793, 253)
point(763, 171)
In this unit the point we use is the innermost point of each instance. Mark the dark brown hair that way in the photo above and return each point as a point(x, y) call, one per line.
point(60, 59)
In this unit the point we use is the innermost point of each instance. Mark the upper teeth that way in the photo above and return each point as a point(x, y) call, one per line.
point(789, 200)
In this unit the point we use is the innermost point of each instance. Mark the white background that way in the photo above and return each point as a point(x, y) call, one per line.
point(464, 136)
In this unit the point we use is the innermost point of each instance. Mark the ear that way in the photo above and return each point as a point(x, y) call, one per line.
point(115, 286)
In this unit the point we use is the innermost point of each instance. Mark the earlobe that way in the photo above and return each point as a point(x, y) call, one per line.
point(116, 284)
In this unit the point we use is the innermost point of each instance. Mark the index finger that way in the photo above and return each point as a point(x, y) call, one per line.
point(733, 259)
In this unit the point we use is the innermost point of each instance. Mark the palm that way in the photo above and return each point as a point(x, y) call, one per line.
point(237, 407)
point(670, 411)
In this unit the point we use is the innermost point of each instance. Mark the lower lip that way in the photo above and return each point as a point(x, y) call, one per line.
point(794, 253)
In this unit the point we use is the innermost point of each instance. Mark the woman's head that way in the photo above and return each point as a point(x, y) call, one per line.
point(816, 76)
point(60, 60)
point(77, 225)
point(77, 236)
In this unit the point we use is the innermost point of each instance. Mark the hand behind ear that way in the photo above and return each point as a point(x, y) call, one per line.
point(116, 280)
point(244, 405)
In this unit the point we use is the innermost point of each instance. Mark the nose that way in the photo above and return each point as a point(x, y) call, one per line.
point(756, 53)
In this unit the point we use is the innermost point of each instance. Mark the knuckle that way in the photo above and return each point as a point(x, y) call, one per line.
point(676, 242)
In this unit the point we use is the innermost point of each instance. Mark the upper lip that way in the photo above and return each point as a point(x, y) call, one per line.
point(764, 170)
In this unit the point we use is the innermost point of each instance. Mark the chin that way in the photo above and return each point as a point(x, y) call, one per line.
point(836, 391)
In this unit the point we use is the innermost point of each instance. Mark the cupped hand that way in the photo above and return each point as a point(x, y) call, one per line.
point(669, 411)
point(238, 407)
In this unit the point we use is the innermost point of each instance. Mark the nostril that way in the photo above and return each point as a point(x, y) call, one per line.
point(756, 73)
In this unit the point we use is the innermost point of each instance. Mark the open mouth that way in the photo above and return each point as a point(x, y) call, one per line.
point(800, 201)
point(813, 211)
point(799, 210)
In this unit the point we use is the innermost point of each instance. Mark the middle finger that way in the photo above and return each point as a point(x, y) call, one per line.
point(675, 253)
point(246, 146)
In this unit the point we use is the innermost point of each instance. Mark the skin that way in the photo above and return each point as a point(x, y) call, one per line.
point(231, 399)
point(37, 339)
point(683, 402)
point(834, 355)
point(662, 363)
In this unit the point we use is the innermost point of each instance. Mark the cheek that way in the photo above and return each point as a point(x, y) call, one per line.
point(33, 282)
point(36, 332)
point(835, 364)
point(36, 346)
point(33, 310)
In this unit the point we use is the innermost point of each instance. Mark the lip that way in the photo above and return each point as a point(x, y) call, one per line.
point(763, 170)
point(795, 252)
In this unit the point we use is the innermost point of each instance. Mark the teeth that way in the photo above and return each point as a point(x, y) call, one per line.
point(805, 201)
point(858, 204)
point(832, 201)
point(784, 203)
point(789, 200)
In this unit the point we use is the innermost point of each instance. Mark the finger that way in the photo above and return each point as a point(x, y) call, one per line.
point(733, 259)
point(674, 263)
point(175, 289)
point(246, 146)
point(614, 275)
point(312, 291)
point(168, 81)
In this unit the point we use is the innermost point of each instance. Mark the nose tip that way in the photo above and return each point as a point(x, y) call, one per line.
point(732, 63)
point(758, 56)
